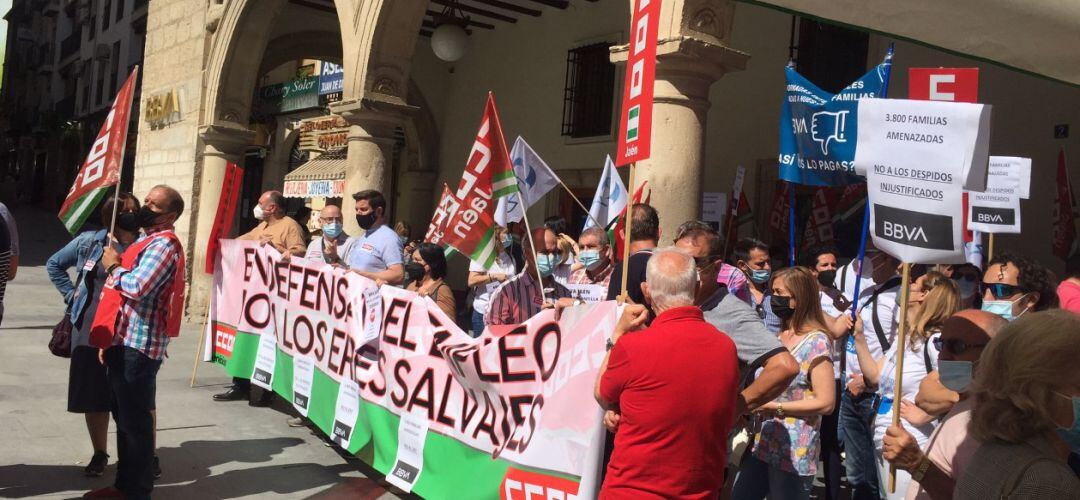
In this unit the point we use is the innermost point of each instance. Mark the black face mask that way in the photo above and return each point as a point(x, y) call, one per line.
point(414, 271)
point(781, 307)
point(827, 278)
point(147, 217)
point(366, 221)
point(128, 221)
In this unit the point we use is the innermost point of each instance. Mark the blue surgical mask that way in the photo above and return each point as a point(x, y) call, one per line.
point(1003, 308)
point(545, 263)
point(589, 258)
point(955, 375)
point(760, 276)
point(1071, 434)
point(332, 229)
point(507, 241)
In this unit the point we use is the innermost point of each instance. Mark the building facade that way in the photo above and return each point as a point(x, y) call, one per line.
point(66, 61)
point(405, 119)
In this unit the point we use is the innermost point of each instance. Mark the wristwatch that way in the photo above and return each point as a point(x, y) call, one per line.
point(780, 410)
point(610, 345)
point(920, 470)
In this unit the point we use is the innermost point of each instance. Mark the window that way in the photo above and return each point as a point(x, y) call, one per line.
point(590, 90)
point(114, 72)
point(106, 15)
point(831, 56)
point(120, 4)
point(100, 85)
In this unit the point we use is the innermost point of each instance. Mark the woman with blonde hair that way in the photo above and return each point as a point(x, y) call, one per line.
point(932, 298)
point(1027, 411)
point(783, 461)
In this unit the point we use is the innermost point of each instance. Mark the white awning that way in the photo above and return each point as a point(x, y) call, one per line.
point(323, 176)
point(1040, 37)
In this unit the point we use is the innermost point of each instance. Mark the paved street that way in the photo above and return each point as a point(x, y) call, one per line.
point(207, 449)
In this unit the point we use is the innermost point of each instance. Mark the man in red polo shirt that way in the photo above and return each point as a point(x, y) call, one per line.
point(674, 386)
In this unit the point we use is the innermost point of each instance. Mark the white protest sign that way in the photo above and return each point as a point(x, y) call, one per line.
point(412, 432)
point(303, 375)
point(372, 313)
point(917, 157)
point(997, 210)
point(348, 409)
point(713, 206)
point(263, 373)
point(587, 292)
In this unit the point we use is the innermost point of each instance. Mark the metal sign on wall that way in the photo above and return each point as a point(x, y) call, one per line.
point(163, 109)
point(331, 83)
point(328, 133)
point(302, 93)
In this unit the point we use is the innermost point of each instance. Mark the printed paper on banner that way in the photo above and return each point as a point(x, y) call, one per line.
point(409, 461)
point(635, 122)
point(303, 374)
point(713, 206)
point(997, 210)
point(818, 129)
point(265, 360)
point(917, 155)
point(346, 413)
point(587, 292)
point(373, 314)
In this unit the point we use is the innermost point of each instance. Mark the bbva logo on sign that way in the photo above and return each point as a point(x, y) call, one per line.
point(916, 229)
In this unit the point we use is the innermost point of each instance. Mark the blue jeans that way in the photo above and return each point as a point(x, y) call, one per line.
point(757, 480)
point(133, 377)
point(477, 324)
point(856, 420)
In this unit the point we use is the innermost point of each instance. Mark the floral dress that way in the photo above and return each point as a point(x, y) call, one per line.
point(792, 444)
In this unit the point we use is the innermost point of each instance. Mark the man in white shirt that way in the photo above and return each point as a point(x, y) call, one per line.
point(879, 311)
point(377, 254)
point(333, 237)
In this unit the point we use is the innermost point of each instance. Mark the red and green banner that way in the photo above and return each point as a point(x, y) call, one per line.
point(101, 170)
point(226, 211)
point(488, 176)
point(390, 378)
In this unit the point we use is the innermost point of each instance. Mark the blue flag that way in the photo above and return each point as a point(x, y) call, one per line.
point(818, 130)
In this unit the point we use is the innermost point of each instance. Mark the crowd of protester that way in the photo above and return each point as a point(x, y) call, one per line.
point(727, 375)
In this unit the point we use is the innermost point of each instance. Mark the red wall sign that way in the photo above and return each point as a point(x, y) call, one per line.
point(635, 119)
point(944, 84)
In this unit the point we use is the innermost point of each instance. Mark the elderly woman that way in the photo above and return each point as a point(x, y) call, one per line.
point(1027, 411)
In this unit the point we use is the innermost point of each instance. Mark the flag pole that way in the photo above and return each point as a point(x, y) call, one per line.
point(901, 339)
point(626, 238)
point(123, 151)
point(579, 203)
point(791, 224)
point(532, 245)
point(990, 256)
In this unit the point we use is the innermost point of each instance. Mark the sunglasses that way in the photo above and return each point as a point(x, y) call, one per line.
point(1002, 290)
point(954, 346)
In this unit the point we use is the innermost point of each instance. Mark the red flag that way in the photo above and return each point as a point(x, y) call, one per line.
point(739, 216)
point(1064, 221)
point(223, 221)
point(102, 166)
point(620, 223)
point(778, 216)
point(819, 228)
point(447, 205)
point(488, 175)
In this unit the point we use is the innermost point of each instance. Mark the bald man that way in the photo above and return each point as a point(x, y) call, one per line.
point(963, 338)
point(333, 237)
point(276, 228)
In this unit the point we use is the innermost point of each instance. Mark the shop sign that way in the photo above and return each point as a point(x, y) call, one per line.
point(302, 93)
point(324, 134)
point(331, 83)
point(314, 189)
point(163, 109)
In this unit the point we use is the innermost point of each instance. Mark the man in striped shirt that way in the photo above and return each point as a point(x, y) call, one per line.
point(141, 318)
point(519, 298)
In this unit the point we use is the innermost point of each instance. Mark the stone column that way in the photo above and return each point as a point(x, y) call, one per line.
point(691, 54)
point(221, 144)
point(371, 140)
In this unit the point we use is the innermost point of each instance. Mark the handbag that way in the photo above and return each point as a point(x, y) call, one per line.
point(60, 342)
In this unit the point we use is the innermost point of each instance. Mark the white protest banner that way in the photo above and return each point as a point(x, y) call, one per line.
point(918, 156)
point(713, 206)
point(997, 210)
point(303, 374)
point(409, 462)
point(262, 374)
point(513, 408)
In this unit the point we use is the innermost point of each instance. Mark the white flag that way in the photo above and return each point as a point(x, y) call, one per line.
point(610, 198)
point(534, 179)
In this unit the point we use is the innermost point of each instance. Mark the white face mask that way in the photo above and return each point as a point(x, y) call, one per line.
point(258, 212)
